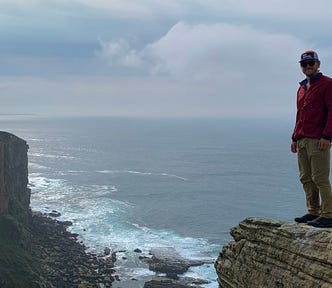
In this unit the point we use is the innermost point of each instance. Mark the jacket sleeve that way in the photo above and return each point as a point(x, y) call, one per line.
point(296, 126)
point(327, 132)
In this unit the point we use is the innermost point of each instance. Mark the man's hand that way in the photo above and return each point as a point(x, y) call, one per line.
point(294, 147)
point(324, 144)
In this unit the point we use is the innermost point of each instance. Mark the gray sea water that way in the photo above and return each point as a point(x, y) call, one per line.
point(154, 183)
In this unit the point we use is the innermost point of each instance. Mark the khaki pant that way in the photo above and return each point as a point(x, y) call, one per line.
point(314, 167)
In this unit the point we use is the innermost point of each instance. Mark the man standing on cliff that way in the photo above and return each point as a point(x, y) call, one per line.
point(311, 140)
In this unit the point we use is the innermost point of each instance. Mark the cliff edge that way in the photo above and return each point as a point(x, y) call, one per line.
point(268, 253)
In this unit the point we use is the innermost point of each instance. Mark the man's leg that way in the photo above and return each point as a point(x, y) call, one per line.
point(305, 169)
point(320, 166)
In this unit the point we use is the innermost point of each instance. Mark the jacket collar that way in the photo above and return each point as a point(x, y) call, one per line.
point(313, 78)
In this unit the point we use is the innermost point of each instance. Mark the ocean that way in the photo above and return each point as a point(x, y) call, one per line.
point(129, 183)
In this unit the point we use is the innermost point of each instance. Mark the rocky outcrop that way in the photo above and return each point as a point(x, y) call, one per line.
point(279, 254)
point(14, 194)
point(167, 261)
point(164, 282)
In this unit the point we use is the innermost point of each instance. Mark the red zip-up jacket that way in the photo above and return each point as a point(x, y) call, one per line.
point(314, 109)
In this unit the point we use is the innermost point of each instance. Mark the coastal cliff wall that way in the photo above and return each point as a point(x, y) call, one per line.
point(268, 253)
point(14, 194)
point(37, 251)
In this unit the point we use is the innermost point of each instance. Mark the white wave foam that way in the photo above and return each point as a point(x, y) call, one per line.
point(62, 195)
point(140, 173)
point(34, 140)
point(33, 165)
point(43, 155)
point(102, 222)
point(205, 272)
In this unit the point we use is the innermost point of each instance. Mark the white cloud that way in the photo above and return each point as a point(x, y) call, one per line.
point(120, 53)
point(172, 58)
point(213, 70)
point(209, 51)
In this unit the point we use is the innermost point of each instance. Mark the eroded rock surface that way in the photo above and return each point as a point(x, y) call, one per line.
point(268, 253)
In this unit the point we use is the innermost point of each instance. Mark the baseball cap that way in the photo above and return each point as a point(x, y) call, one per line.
point(309, 55)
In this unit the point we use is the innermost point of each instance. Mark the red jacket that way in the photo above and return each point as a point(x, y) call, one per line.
point(314, 109)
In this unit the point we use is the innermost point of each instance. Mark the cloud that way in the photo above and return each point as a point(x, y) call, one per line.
point(208, 51)
point(157, 58)
point(212, 70)
point(120, 54)
point(296, 9)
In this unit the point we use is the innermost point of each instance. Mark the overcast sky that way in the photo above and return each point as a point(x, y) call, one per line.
point(150, 58)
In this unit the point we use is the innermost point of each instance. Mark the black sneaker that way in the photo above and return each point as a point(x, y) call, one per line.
point(306, 218)
point(321, 222)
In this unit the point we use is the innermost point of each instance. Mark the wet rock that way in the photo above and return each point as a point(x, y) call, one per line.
point(107, 251)
point(67, 223)
point(54, 214)
point(66, 261)
point(138, 250)
point(168, 261)
point(163, 282)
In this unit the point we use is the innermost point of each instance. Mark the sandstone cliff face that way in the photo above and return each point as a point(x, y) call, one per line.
point(279, 254)
point(14, 194)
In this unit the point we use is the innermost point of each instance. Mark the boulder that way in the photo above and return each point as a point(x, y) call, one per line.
point(168, 261)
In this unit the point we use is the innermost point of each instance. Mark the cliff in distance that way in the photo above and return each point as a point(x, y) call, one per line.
point(278, 254)
point(14, 194)
point(35, 250)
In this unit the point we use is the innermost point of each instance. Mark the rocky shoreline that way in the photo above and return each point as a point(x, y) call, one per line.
point(65, 261)
point(38, 251)
point(68, 264)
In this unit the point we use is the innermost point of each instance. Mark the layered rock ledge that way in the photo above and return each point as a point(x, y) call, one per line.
point(268, 253)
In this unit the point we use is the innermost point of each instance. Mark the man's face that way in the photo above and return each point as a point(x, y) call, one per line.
point(309, 67)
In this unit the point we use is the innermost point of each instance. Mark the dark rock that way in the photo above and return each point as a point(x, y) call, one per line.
point(107, 251)
point(14, 194)
point(117, 278)
point(54, 214)
point(173, 276)
point(167, 260)
point(65, 260)
point(67, 223)
point(163, 282)
point(138, 250)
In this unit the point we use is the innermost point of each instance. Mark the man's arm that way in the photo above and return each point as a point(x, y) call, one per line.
point(294, 147)
point(325, 141)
